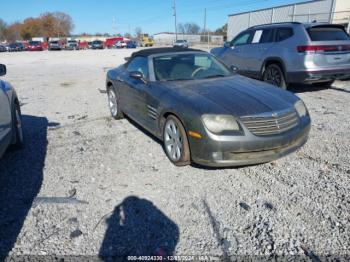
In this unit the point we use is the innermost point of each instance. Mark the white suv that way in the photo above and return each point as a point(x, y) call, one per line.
point(292, 52)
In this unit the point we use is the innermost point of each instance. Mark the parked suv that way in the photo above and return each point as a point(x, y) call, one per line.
point(72, 45)
point(292, 52)
point(55, 45)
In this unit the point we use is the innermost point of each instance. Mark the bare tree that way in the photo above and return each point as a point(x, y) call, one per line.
point(56, 24)
point(13, 32)
point(191, 28)
point(3, 27)
point(222, 30)
point(181, 28)
point(64, 23)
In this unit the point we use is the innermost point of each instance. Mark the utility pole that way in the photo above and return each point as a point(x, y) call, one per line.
point(205, 20)
point(174, 7)
point(205, 28)
point(114, 26)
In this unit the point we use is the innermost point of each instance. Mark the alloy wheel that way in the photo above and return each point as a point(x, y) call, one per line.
point(273, 76)
point(19, 127)
point(112, 102)
point(173, 140)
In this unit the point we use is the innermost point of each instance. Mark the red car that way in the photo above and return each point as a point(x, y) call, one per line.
point(35, 46)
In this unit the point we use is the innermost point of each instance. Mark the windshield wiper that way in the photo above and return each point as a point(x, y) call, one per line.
point(214, 76)
point(179, 79)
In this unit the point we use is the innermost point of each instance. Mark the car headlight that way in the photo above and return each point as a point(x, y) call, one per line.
point(300, 108)
point(220, 123)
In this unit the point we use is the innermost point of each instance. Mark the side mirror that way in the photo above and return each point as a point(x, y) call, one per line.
point(234, 68)
point(2, 70)
point(137, 75)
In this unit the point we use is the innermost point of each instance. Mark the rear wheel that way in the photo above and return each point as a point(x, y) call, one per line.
point(175, 142)
point(273, 74)
point(113, 103)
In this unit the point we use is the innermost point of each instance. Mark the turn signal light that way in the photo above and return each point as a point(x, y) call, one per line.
point(195, 134)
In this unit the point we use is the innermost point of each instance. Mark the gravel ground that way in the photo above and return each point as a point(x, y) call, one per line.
point(88, 185)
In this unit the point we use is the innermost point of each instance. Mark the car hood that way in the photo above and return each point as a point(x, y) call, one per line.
point(218, 51)
point(237, 95)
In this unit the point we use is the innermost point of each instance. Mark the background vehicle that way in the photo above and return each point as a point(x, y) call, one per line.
point(181, 43)
point(35, 46)
point(97, 44)
point(20, 46)
point(120, 44)
point(145, 40)
point(3, 48)
point(131, 44)
point(292, 52)
point(72, 45)
point(10, 116)
point(110, 42)
point(13, 47)
point(203, 112)
point(55, 45)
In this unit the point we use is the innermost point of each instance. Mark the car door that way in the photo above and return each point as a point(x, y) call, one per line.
point(261, 43)
point(135, 89)
point(5, 114)
point(236, 55)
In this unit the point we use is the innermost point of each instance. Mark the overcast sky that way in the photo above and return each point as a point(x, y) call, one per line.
point(152, 16)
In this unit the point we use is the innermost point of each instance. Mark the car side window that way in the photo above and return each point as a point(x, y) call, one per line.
point(139, 64)
point(266, 36)
point(242, 39)
point(283, 34)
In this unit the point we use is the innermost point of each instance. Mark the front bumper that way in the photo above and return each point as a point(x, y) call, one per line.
point(318, 76)
point(248, 149)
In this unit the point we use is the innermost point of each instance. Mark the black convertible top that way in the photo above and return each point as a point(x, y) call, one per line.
point(153, 51)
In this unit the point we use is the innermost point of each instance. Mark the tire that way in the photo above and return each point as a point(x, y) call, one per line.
point(17, 130)
point(274, 75)
point(175, 142)
point(113, 103)
point(324, 84)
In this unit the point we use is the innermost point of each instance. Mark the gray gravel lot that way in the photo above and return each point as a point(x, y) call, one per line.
point(86, 184)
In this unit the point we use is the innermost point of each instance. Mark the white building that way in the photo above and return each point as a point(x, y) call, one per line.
point(169, 38)
point(331, 11)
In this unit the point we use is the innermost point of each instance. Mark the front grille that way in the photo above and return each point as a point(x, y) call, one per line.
point(271, 124)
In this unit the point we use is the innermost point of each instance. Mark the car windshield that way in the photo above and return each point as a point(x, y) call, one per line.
point(97, 42)
point(189, 66)
point(54, 42)
point(33, 43)
point(180, 41)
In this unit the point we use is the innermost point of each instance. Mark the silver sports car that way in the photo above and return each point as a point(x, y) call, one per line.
point(10, 116)
point(203, 112)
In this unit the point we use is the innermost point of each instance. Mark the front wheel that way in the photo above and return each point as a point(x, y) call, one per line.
point(113, 103)
point(175, 142)
point(273, 74)
point(18, 138)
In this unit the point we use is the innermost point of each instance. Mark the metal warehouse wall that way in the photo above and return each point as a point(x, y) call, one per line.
point(319, 10)
point(168, 39)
